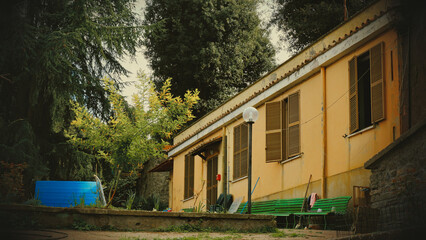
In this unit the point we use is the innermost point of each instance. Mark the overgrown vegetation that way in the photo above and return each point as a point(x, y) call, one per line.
point(149, 203)
point(82, 225)
point(201, 236)
point(132, 134)
point(198, 227)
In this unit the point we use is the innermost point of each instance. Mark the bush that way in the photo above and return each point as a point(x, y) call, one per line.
point(149, 203)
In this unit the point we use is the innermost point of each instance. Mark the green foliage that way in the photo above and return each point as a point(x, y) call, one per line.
point(33, 202)
point(132, 134)
point(131, 137)
point(52, 51)
point(304, 21)
point(197, 227)
point(130, 200)
point(201, 236)
point(149, 203)
point(216, 46)
point(81, 225)
point(200, 207)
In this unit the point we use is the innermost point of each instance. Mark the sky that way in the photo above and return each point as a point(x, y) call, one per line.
point(140, 63)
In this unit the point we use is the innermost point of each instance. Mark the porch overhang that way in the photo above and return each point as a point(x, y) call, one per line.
point(164, 166)
point(202, 147)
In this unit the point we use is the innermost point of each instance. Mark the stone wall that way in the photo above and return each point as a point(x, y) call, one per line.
point(26, 217)
point(398, 181)
point(155, 183)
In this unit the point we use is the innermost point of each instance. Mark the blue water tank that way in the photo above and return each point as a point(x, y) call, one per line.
point(66, 193)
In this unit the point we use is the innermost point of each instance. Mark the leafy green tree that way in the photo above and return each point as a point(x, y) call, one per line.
point(216, 46)
point(133, 134)
point(304, 21)
point(52, 51)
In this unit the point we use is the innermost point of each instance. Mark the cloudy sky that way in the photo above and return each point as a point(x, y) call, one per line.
point(140, 63)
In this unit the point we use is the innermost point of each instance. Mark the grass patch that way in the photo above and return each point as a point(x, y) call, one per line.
point(81, 225)
point(185, 228)
point(280, 234)
point(202, 236)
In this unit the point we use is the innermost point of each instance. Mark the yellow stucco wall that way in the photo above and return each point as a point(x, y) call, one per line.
point(349, 153)
point(200, 178)
point(344, 155)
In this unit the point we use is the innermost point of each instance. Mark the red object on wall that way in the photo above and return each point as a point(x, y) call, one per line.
point(218, 177)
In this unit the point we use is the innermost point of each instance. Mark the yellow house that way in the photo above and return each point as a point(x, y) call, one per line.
point(324, 113)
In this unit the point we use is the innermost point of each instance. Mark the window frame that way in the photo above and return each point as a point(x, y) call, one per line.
point(189, 176)
point(238, 150)
point(377, 89)
point(286, 141)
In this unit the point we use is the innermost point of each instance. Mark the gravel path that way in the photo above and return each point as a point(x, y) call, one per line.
point(106, 235)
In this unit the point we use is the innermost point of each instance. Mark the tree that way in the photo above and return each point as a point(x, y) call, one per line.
point(216, 46)
point(52, 51)
point(133, 134)
point(304, 21)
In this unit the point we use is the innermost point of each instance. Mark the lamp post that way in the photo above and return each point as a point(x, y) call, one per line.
point(250, 116)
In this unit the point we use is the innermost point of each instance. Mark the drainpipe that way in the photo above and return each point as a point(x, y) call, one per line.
point(324, 135)
point(225, 166)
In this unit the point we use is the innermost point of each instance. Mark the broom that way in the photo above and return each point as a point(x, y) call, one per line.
point(299, 225)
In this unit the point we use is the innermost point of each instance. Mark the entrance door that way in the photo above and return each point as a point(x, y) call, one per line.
point(211, 180)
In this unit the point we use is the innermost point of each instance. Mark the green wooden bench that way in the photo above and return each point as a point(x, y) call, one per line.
point(328, 206)
point(259, 207)
point(278, 207)
point(287, 207)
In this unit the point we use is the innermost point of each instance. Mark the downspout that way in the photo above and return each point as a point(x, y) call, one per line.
point(324, 134)
point(225, 166)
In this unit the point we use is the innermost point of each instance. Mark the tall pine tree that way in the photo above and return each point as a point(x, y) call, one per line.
point(216, 46)
point(304, 21)
point(52, 51)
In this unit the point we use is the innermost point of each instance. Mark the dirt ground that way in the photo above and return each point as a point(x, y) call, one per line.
point(106, 235)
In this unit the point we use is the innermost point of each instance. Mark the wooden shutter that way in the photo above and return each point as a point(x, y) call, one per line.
point(353, 96)
point(237, 146)
point(186, 176)
point(244, 150)
point(285, 128)
point(189, 176)
point(273, 132)
point(293, 124)
point(377, 83)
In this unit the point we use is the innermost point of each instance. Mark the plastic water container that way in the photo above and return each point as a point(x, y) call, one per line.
point(66, 193)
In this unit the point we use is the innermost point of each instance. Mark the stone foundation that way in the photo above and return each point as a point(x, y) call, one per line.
point(52, 217)
point(398, 182)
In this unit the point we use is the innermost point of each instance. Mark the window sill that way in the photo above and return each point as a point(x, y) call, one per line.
point(361, 131)
point(187, 199)
point(239, 179)
point(292, 158)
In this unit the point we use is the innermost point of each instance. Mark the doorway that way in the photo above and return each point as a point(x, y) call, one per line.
point(211, 180)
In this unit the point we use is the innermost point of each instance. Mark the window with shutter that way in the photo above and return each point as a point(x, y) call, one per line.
point(377, 84)
point(189, 176)
point(283, 128)
point(240, 151)
point(274, 131)
point(293, 125)
point(366, 89)
point(353, 96)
